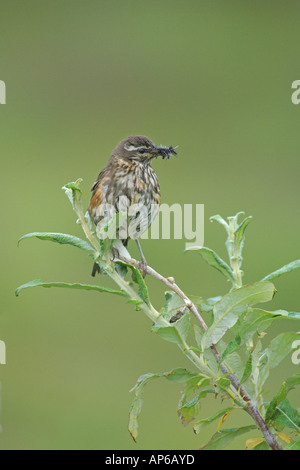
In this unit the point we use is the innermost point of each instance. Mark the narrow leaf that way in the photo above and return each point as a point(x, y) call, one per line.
point(202, 423)
point(278, 398)
point(240, 232)
point(134, 413)
point(285, 269)
point(232, 346)
point(248, 370)
point(213, 260)
point(39, 283)
point(62, 238)
point(138, 278)
point(220, 220)
point(224, 437)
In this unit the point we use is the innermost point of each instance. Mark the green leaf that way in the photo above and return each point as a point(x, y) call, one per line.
point(169, 333)
point(199, 302)
point(198, 332)
point(248, 370)
point(138, 278)
point(134, 412)
point(189, 410)
point(278, 398)
point(286, 415)
point(202, 423)
point(234, 364)
point(213, 260)
point(293, 446)
point(172, 304)
point(256, 321)
point(62, 238)
point(292, 381)
point(220, 220)
point(194, 384)
point(223, 437)
point(213, 300)
point(121, 269)
point(239, 233)
point(232, 306)
point(175, 333)
point(222, 384)
point(278, 349)
point(135, 302)
point(232, 347)
point(179, 375)
point(183, 326)
point(293, 315)
point(74, 185)
point(39, 283)
point(285, 269)
point(262, 446)
point(73, 192)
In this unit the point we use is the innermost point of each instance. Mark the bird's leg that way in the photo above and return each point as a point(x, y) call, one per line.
point(115, 252)
point(143, 263)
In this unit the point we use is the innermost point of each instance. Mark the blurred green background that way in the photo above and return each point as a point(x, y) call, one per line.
point(214, 78)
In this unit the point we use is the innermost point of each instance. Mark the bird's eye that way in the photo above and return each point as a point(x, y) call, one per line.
point(142, 150)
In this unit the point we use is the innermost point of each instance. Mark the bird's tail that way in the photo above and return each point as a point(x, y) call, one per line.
point(96, 269)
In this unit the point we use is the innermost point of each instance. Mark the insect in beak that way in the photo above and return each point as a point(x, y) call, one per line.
point(165, 152)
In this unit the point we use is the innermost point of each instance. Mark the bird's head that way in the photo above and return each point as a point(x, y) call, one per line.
point(140, 149)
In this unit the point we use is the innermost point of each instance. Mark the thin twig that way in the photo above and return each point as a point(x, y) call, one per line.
point(250, 405)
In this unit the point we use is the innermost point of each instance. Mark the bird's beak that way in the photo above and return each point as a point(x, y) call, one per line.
point(164, 152)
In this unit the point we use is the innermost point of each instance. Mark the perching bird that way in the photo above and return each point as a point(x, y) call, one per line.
point(129, 183)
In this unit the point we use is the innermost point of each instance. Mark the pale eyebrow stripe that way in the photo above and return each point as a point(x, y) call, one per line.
point(132, 147)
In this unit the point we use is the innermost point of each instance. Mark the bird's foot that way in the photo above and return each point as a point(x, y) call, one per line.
point(115, 253)
point(142, 267)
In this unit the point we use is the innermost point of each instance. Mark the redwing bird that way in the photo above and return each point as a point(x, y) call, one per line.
point(128, 181)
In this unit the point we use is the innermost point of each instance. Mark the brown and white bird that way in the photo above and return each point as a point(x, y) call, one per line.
point(129, 181)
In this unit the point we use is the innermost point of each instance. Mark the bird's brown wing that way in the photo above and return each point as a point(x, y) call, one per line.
point(101, 175)
point(99, 189)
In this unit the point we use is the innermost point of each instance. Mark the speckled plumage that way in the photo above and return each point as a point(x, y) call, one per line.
point(129, 180)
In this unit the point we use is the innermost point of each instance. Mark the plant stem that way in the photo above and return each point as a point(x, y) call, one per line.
point(155, 316)
point(88, 233)
point(234, 254)
point(250, 406)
